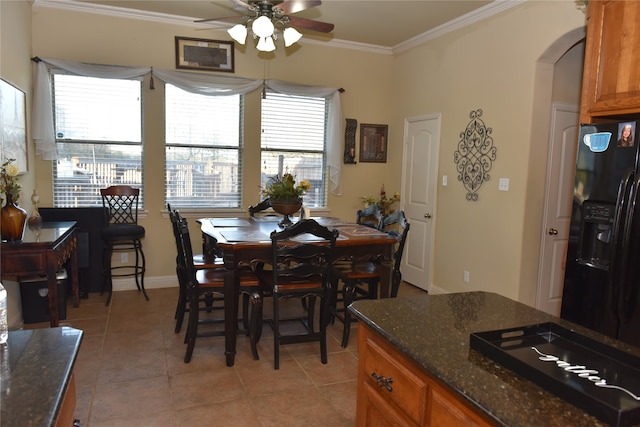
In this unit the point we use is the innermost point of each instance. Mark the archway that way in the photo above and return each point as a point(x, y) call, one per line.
point(536, 185)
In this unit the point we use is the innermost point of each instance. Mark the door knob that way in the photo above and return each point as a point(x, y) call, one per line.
point(427, 215)
point(552, 232)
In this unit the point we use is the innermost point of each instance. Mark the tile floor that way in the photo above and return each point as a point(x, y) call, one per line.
point(130, 371)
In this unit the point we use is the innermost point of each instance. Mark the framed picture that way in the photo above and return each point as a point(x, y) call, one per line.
point(203, 54)
point(13, 125)
point(373, 143)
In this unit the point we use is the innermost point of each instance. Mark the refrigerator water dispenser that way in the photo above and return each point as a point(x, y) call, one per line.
point(596, 234)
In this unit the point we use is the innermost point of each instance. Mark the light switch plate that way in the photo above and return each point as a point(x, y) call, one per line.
point(503, 184)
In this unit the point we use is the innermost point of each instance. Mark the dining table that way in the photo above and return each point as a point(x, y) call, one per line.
point(244, 240)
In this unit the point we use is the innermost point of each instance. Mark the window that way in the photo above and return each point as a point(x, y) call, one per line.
point(293, 141)
point(203, 140)
point(98, 126)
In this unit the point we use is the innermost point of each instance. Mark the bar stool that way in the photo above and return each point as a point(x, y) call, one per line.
point(122, 234)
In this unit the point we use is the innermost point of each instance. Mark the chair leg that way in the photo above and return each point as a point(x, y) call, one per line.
point(276, 333)
point(324, 318)
point(348, 291)
point(311, 311)
point(246, 322)
point(140, 270)
point(181, 309)
point(255, 322)
point(396, 278)
point(208, 302)
point(192, 327)
point(106, 271)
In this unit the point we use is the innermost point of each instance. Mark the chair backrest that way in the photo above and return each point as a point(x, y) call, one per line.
point(263, 205)
point(187, 270)
point(399, 218)
point(302, 251)
point(370, 216)
point(121, 204)
point(175, 218)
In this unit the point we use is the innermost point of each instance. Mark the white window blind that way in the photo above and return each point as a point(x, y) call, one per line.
point(203, 149)
point(293, 141)
point(98, 126)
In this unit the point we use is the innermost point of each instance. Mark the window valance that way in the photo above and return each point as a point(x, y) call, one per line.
point(206, 84)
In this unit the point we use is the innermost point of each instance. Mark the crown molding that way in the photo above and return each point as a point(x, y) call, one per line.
point(494, 8)
point(491, 9)
point(121, 12)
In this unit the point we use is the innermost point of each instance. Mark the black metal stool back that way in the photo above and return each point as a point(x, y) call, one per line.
point(122, 234)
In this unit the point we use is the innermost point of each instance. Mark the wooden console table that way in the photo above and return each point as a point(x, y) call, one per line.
point(44, 252)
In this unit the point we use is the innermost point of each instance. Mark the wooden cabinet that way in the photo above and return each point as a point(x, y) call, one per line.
point(611, 80)
point(65, 416)
point(394, 391)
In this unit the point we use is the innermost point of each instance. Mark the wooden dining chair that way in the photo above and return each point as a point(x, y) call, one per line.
point(205, 281)
point(259, 207)
point(207, 299)
point(301, 268)
point(371, 216)
point(361, 278)
point(122, 233)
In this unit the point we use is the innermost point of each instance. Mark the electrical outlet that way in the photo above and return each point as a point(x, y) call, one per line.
point(444, 180)
point(124, 258)
point(465, 277)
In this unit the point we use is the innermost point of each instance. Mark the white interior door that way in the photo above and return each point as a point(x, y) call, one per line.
point(419, 184)
point(557, 207)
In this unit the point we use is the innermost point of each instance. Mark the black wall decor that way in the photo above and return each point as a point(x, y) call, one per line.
point(475, 155)
point(350, 141)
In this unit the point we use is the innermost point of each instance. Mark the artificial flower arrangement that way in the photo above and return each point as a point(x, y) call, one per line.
point(384, 203)
point(10, 189)
point(284, 188)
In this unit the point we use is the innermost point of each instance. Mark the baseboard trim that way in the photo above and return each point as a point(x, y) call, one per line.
point(157, 282)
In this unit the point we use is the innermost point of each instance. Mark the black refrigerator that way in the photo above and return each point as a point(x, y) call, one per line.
point(602, 277)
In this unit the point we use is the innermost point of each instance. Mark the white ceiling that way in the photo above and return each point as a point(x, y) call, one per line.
point(380, 23)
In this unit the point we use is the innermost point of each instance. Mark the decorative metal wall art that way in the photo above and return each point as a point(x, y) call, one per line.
point(350, 141)
point(475, 155)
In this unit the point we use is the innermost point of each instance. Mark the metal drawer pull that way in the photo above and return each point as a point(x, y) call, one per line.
point(382, 381)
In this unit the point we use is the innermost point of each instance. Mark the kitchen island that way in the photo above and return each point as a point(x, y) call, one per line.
point(38, 389)
point(422, 345)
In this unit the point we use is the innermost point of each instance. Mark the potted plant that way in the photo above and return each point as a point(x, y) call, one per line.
point(285, 196)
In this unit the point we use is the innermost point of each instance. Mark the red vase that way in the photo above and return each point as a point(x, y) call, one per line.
point(12, 221)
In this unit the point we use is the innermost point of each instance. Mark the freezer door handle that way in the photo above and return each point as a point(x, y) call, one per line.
point(625, 306)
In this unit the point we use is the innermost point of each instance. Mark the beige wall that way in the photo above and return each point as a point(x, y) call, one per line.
point(15, 67)
point(489, 65)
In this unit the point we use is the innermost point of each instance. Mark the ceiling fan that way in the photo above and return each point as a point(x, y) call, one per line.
point(264, 17)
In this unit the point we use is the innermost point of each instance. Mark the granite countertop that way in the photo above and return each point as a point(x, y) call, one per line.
point(36, 369)
point(434, 331)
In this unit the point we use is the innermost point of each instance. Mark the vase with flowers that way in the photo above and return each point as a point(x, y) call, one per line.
point(384, 203)
point(12, 216)
point(285, 196)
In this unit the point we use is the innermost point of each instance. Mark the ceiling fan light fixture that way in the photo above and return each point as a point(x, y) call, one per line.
point(266, 44)
point(291, 35)
point(238, 33)
point(263, 27)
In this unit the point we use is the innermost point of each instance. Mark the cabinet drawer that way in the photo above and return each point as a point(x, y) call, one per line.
point(405, 389)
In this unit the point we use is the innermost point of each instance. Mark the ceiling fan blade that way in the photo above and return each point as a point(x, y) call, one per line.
point(309, 24)
point(293, 6)
point(240, 3)
point(232, 19)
